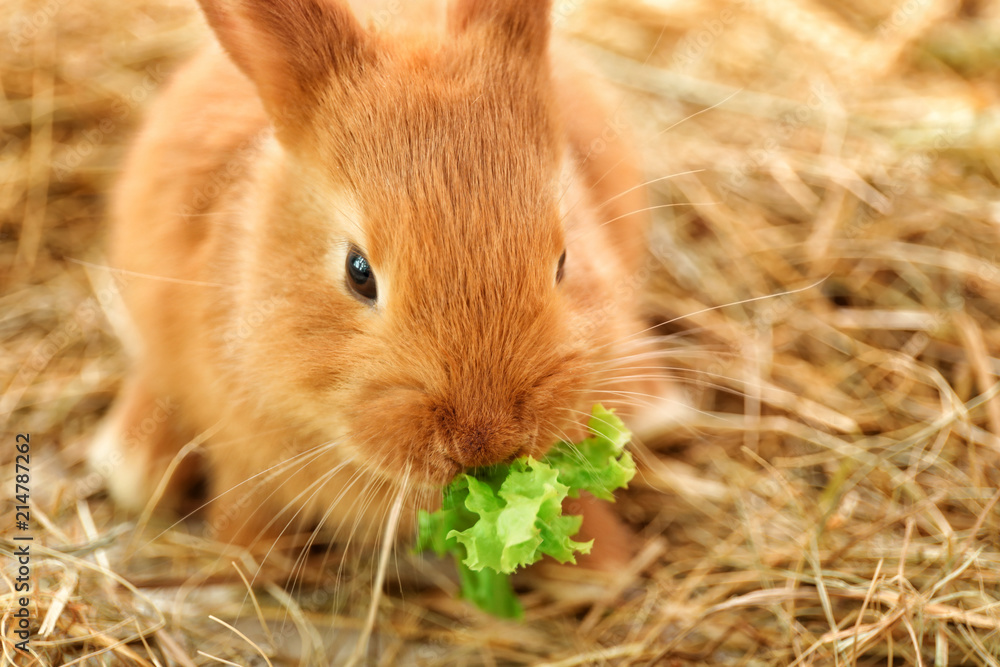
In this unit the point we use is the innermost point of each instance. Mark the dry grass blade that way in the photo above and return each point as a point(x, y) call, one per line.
point(824, 272)
point(244, 638)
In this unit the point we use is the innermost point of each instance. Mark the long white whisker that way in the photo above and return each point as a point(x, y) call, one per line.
point(208, 502)
point(315, 487)
point(148, 276)
point(636, 187)
point(711, 308)
point(391, 526)
point(657, 208)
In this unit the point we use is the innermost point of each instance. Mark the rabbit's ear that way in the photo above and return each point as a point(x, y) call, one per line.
point(289, 48)
point(522, 25)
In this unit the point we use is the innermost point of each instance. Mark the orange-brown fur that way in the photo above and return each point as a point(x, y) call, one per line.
point(460, 160)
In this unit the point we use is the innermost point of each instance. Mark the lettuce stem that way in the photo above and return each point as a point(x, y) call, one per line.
point(489, 590)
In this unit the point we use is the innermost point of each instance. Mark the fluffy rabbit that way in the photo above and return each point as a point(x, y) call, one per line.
point(361, 258)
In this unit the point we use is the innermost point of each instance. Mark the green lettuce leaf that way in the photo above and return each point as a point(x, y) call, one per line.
point(599, 464)
point(497, 519)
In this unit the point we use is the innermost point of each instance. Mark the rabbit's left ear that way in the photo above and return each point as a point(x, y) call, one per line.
point(522, 25)
point(290, 49)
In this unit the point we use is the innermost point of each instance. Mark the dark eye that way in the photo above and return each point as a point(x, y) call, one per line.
point(559, 269)
point(360, 277)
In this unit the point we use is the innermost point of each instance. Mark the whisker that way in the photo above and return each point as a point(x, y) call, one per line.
point(699, 112)
point(182, 453)
point(666, 376)
point(391, 526)
point(719, 307)
point(208, 502)
point(316, 486)
point(148, 276)
point(749, 300)
point(365, 500)
point(656, 208)
point(630, 364)
point(633, 188)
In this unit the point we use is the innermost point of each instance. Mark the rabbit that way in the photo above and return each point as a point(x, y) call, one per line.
point(360, 260)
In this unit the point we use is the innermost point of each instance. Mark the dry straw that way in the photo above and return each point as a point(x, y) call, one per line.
point(833, 499)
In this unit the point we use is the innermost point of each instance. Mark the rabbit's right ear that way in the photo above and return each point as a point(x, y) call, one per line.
point(289, 48)
point(522, 24)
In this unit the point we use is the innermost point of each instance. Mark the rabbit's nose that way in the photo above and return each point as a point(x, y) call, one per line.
point(483, 446)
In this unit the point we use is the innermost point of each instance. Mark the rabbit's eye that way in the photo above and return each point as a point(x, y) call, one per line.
point(559, 268)
point(360, 277)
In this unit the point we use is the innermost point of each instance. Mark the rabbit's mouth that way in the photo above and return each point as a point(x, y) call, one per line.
point(440, 473)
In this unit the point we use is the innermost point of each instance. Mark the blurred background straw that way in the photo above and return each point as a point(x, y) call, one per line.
point(832, 501)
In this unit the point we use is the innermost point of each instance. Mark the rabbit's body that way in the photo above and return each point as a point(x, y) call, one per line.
point(460, 166)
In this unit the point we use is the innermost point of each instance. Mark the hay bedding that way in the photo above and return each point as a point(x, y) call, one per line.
point(833, 500)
